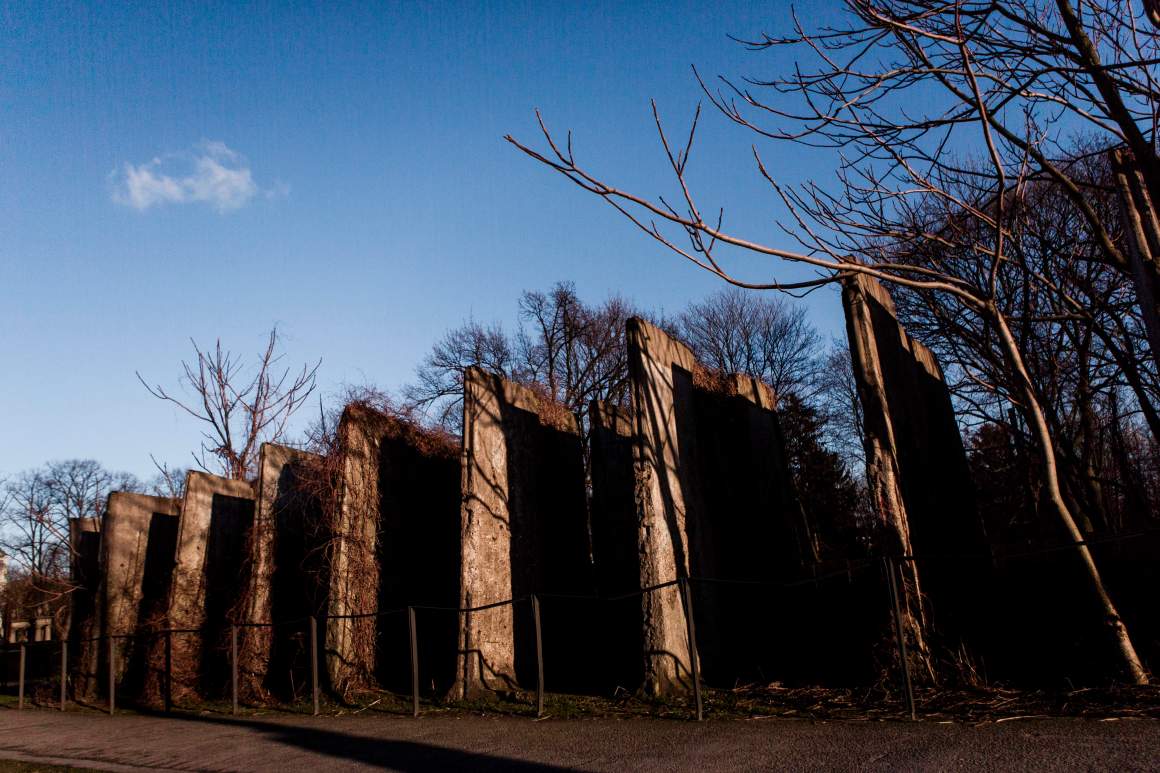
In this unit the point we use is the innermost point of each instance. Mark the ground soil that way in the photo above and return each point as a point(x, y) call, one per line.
point(471, 740)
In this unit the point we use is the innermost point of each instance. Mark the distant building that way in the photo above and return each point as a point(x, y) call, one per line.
point(34, 630)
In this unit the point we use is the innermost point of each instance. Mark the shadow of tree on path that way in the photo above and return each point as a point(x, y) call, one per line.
point(384, 753)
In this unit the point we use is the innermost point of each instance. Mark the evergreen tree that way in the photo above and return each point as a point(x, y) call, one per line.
point(831, 497)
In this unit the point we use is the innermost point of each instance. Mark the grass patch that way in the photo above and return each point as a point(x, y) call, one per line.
point(873, 703)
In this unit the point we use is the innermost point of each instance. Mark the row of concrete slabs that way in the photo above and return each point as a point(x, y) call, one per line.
point(689, 481)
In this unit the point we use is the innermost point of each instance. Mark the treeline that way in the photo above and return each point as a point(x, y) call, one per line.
point(1080, 326)
point(573, 352)
point(36, 508)
point(1094, 373)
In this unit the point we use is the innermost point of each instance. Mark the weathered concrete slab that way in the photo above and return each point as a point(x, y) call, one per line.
point(137, 547)
point(395, 544)
point(84, 539)
point(84, 613)
point(615, 552)
point(210, 579)
point(284, 574)
point(350, 642)
point(524, 530)
point(614, 527)
point(418, 553)
point(916, 467)
point(916, 464)
point(714, 500)
point(661, 369)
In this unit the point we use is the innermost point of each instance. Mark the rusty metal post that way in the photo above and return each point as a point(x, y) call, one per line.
point(539, 657)
point(414, 662)
point(112, 676)
point(20, 678)
point(168, 670)
point(63, 673)
point(234, 666)
point(900, 634)
point(314, 661)
point(694, 660)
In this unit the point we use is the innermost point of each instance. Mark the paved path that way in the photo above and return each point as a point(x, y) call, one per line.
point(286, 744)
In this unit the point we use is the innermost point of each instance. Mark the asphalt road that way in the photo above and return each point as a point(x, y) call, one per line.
point(484, 743)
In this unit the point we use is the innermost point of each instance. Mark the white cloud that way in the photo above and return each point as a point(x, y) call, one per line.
point(209, 173)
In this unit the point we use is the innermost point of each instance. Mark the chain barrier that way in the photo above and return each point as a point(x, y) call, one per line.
point(110, 649)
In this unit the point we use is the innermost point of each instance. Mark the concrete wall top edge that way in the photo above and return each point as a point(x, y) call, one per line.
point(197, 482)
point(657, 345)
point(521, 397)
point(874, 290)
point(610, 417)
point(81, 525)
point(361, 413)
point(131, 499)
point(373, 425)
point(754, 390)
point(276, 453)
point(925, 357)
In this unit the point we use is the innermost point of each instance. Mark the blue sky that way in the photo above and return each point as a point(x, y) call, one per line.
point(172, 170)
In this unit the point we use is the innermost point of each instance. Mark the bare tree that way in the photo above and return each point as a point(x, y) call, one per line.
point(36, 511)
point(241, 411)
point(37, 505)
point(840, 406)
point(439, 388)
point(31, 533)
point(994, 80)
point(169, 481)
point(570, 352)
point(576, 352)
point(1084, 342)
point(80, 488)
point(737, 332)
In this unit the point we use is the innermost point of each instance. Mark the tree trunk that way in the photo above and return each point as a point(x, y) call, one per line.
point(1142, 229)
point(1132, 662)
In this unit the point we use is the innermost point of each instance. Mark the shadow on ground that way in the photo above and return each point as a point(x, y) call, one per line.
point(376, 752)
